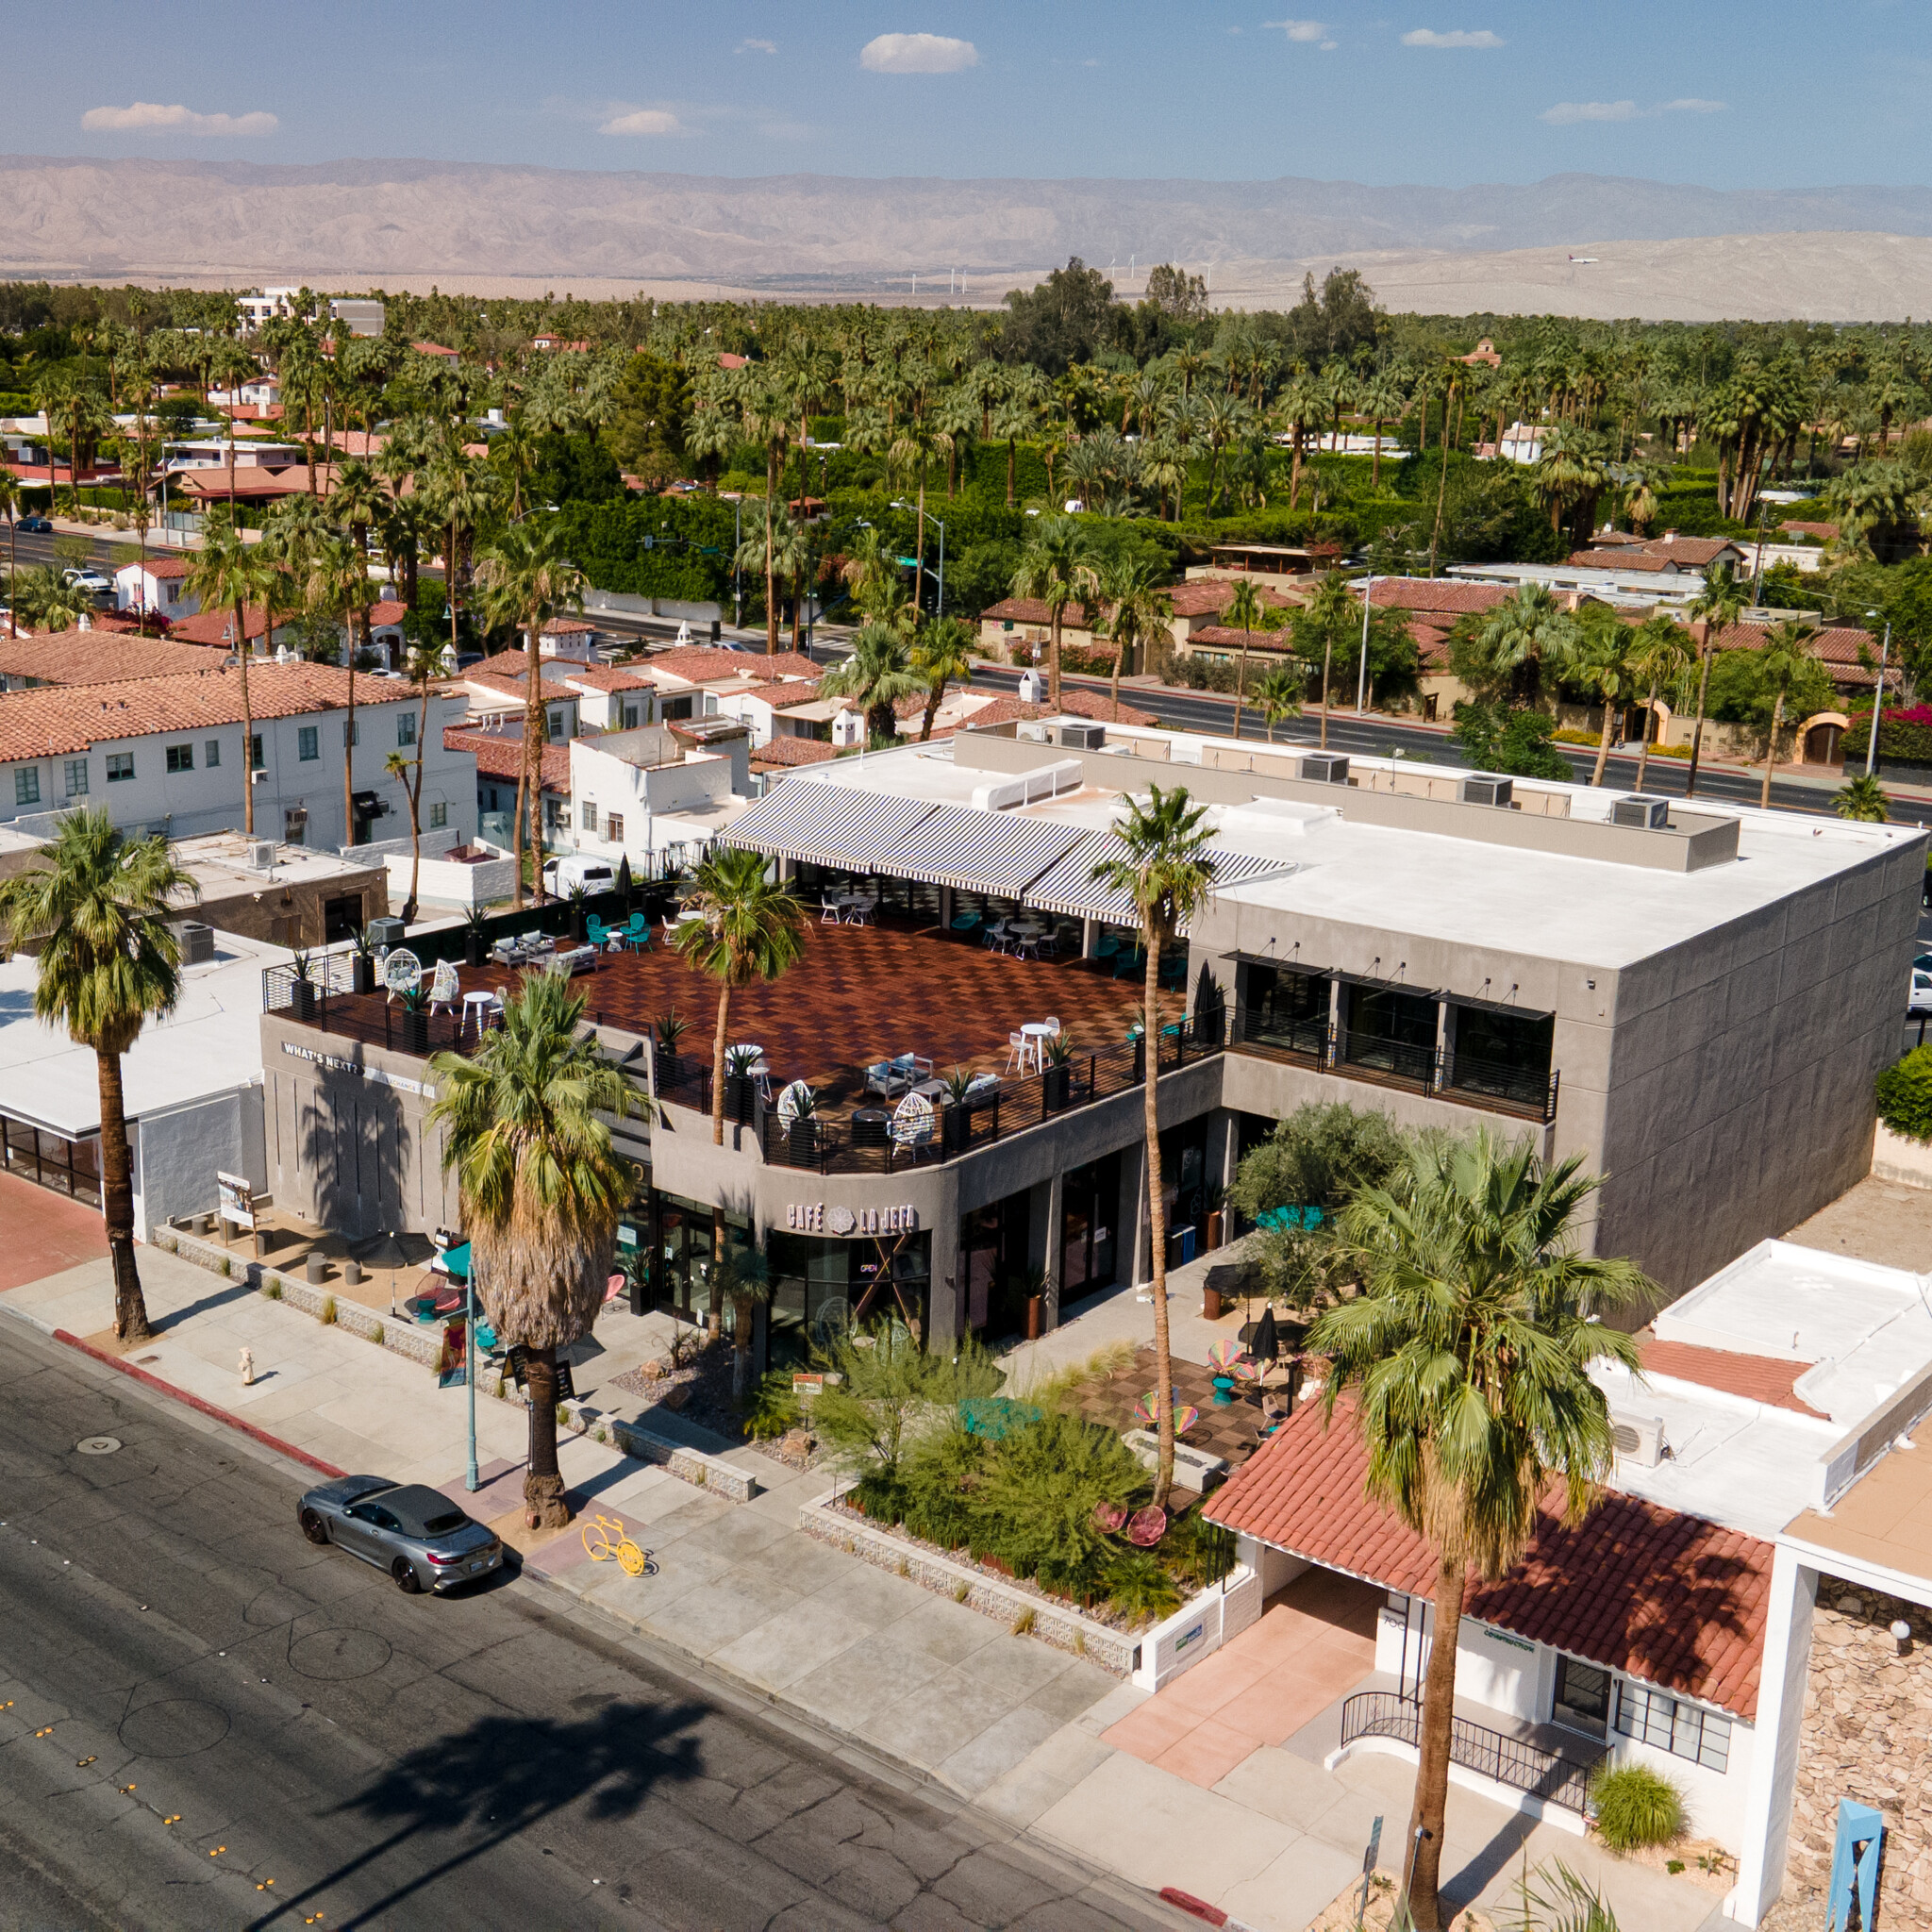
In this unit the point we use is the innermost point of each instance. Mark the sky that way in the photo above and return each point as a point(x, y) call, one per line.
point(1770, 94)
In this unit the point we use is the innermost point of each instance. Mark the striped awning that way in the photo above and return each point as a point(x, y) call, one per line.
point(826, 824)
point(980, 851)
point(1071, 888)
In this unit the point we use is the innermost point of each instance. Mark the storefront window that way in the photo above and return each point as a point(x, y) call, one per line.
point(682, 1282)
point(52, 1160)
point(1091, 1198)
point(993, 1243)
point(820, 1286)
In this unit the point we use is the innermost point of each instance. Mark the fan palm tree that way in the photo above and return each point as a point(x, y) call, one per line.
point(1521, 634)
point(1714, 610)
point(1382, 399)
point(407, 772)
point(879, 674)
point(1466, 1357)
point(791, 561)
point(1139, 614)
point(1013, 418)
point(1279, 695)
point(941, 655)
point(1167, 870)
point(1781, 662)
point(1862, 799)
point(1056, 568)
point(523, 1121)
point(1329, 617)
point(1599, 658)
point(749, 928)
point(527, 580)
point(228, 571)
point(1661, 654)
point(1244, 612)
point(99, 906)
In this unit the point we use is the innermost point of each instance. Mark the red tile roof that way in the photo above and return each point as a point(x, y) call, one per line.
point(516, 663)
point(1196, 599)
point(1034, 610)
point(792, 751)
point(54, 723)
point(1435, 593)
point(214, 627)
point(500, 755)
point(1229, 638)
point(1074, 703)
point(607, 677)
point(568, 626)
point(1825, 533)
point(1698, 552)
point(1669, 1598)
point(161, 567)
point(1625, 558)
point(98, 656)
point(388, 610)
point(1757, 1378)
point(707, 665)
point(1838, 647)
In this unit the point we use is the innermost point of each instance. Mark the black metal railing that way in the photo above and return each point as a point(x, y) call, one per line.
point(841, 1142)
point(1554, 1776)
point(1441, 1073)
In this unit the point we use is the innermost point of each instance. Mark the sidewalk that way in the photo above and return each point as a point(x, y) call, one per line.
point(1027, 1731)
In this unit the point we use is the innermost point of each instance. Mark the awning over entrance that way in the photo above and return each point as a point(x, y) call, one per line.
point(826, 824)
point(981, 851)
point(1071, 888)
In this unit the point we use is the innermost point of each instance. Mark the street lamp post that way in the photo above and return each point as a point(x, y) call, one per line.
point(472, 1481)
point(919, 564)
point(1877, 699)
point(1361, 682)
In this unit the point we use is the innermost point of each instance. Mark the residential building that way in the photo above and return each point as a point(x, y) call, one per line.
point(1019, 629)
point(165, 753)
point(1279, 565)
point(160, 584)
point(496, 745)
point(640, 794)
point(96, 655)
point(1638, 588)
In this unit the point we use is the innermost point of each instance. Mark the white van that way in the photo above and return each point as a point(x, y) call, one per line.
point(561, 876)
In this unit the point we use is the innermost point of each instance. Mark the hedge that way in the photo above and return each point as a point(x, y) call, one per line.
point(1906, 736)
point(1905, 1096)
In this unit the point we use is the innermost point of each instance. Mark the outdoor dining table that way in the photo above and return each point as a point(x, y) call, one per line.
point(1037, 1033)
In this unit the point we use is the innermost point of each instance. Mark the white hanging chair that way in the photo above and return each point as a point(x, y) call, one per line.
point(791, 1100)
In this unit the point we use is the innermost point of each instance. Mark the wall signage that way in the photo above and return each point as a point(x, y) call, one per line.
point(376, 1075)
point(814, 1217)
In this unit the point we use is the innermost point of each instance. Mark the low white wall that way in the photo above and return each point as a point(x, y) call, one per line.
point(1198, 1630)
point(1900, 1158)
point(451, 883)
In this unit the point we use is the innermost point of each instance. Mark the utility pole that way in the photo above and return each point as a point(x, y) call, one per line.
point(1877, 699)
point(1361, 682)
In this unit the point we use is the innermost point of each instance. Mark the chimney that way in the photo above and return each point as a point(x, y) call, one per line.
point(1670, 536)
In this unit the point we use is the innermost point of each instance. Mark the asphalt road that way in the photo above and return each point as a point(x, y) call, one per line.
point(207, 1723)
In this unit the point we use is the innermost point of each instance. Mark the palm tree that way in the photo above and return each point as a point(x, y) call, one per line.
point(1243, 612)
point(1715, 610)
point(1862, 799)
point(526, 580)
point(941, 656)
point(1167, 870)
point(749, 928)
point(1279, 695)
point(227, 570)
point(523, 1121)
point(790, 561)
point(1660, 657)
point(9, 509)
point(1329, 617)
point(918, 440)
point(1013, 418)
point(1467, 1355)
point(409, 772)
point(1056, 568)
point(1139, 613)
point(1382, 399)
point(1521, 634)
point(98, 905)
point(1599, 658)
point(879, 674)
point(1782, 661)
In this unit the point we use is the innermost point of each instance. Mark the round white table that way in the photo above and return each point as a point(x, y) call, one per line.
point(1037, 1033)
point(484, 1003)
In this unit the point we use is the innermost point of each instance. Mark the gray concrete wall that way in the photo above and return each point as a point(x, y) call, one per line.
point(179, 1150)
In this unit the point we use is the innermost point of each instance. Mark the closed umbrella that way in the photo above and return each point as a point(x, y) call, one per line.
point(1265, 1346)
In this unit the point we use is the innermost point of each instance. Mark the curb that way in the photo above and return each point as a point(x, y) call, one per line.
point(195, 1402)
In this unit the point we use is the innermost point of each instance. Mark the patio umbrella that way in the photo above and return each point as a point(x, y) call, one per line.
point(1266, 1345)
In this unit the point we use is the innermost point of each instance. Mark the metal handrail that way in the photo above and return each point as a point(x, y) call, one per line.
point(1551, 1775)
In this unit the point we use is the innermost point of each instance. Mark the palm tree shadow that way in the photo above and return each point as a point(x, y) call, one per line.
point(502, 1776)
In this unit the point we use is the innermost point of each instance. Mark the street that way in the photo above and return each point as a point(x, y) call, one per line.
point(207, 1723)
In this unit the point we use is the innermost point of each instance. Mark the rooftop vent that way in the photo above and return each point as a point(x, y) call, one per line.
point(1323, 768)
point(1487, 788)
point(197, 943)
point(1082, 734)
point(1639, 1439)
point(261, 855)
point(1641, 810)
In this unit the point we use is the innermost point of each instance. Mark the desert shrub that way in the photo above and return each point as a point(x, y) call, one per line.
point(774, 1408)
point(940, 1474)
point(1034, 1505)
point(1905, 1095)
point(880, 1494)
point(1636, 1806)
point(889, 1393)
point(1138, 1588)
point(328, 1310)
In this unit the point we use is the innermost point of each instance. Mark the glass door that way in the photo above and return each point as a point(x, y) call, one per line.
point(1583, 1697)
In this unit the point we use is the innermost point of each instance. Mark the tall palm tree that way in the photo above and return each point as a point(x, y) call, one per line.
point(1781, 662)
point(1279, 695)
point(790, 561)
point(1056, 568)
point(1714, 610)
point(99, 906)
point(749, 928)
point(228, 570)
point(1466, 1357)
point(1244, 612)
point(1661, 655)
point(1599, 658)
point(1013, 418)
point(879, 674)
point(1382, 399)
point(919, 440)
point(527, 580)
point(1329, 617)
point(1520, 635)
point(9, 509)
point(422, 667)
point(1139, 614)
point(941, 655)
point(1168, 872)
point(523, 1125)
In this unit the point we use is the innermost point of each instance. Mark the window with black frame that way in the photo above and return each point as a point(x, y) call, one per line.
point(1287, 1011)
point(1506, 1055)
point(1390, 1030)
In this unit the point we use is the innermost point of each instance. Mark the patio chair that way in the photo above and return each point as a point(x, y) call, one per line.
point(1107, 945)
point(996, 936)
point(1019, 1050)
point(444, 988)
point(828, 911)
point(600, 935)
point(914, 1066)
point(912, 1124)
point(860, 911)
point(1052, 1024)
point(637, 932)
point(981, 1087)
point(402, 971)
point(1127, 964)
point(887, 1079)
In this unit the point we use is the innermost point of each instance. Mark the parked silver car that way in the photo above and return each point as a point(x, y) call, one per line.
point(414, 1532)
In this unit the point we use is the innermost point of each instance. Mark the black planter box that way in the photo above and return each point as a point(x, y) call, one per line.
point(362, 973)
point(302, 999)
point(415, 1030)
point(1057, 1086)
point(475, 948)
point(577, 928)
point(738, 1092)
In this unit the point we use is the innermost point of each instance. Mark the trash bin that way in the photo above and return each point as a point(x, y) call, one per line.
point(1180, 1247)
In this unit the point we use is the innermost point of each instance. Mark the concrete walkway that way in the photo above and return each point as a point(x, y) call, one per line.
point(1021, 1728)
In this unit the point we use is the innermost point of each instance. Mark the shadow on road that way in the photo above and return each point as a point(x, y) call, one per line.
point(502, 1776)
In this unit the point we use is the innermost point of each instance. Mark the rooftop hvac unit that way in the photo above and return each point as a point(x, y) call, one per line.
point(1641, 810)
point(1487, 788)
point(197, 943)
point(261, 855)
point(1639, 1439)
point(386, 932)
point(1084, 734)
point(1325, 767)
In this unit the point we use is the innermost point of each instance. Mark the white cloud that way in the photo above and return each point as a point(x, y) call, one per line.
point(175, 120)
point(1458, 37)
point(917, 53)
point(1569, 114)
point(758, 46)
point(653, 121)
point(1299, 30)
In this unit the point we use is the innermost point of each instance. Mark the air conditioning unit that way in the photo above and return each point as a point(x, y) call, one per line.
point(197, 943)
point(1487, 788)
point(1639, 1439)
point(261, 855)
point(259, 776)
point(1082, 735)
point(1323, 768)
point(1641, 810)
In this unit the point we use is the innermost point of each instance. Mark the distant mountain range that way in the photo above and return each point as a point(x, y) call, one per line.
point(362, 223)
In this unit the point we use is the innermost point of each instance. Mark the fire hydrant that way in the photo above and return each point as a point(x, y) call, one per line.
point(247, 1367)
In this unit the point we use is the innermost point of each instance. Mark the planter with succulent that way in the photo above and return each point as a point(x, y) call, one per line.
point(362, 961)
point(740, 1088)
point(957, 1128)
point(302, 992)
point(802, 1130)
point(577, 912)
point(1056, 1078)
point(476, 936)
point(672, 1028)
point(416, 1020)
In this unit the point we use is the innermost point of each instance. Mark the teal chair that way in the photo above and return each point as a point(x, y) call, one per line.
point(597, 932)
point(638, 933)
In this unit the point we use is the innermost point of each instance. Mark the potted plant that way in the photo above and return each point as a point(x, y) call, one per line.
point(362, 961)
point(623, 886)
point(302, 989)
point(672, 1028)
point(416, 1021)
point(576, 912)
point(1138, 1035)
point(476, 936)
point(739, 1085)
point(1056, 1078)
point(956, 1129)
point(802, 1130)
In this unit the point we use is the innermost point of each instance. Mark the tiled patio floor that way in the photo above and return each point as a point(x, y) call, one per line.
point(46, 1231)
point(1315, 1643)
point(1230, 1430)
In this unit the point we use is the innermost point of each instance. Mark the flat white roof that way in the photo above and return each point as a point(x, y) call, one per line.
point(209, 1044)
